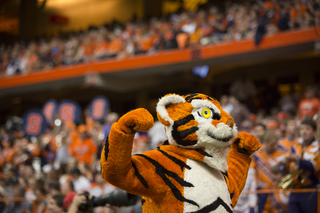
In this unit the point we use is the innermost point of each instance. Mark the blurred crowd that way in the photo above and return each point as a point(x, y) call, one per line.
point(50, 170)
point(53, 170)
point(208, 25)
point(289, 156)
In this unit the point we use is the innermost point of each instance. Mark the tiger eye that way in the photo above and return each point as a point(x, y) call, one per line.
point(206, 112)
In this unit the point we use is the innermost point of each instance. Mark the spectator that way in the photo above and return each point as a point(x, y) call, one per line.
point(100, 187)
point(283, 22)
point(100, 51)
point(157, 135)
point(110, 119)
point(263, 162)
point(72, 164)
point(29, 172)
point(55, 50)
point(225, 104)
point(11, 179)
point(240, 112)
point(30, 189)
point(290, 101)
point(67, 188)
point(140, 144)
point(246, 126)
point(14, 64)
point(305, 157)
point(291, 135)
point(80, 182)
point(273, 125)
point(19, 206)
point(68, 200)
point(62, 154)
point(243, 89)
point(219, 25)
point(309, 106)
point(40, 193)
point(84, 149)
point(115, 45)
point(55, 203)
point(247, 202)
point(8, 151)
point(69, 52)
point(54, 188)
point(86, 170)
point(76, 202)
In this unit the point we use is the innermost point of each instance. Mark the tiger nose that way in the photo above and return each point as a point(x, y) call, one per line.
point(230, 122)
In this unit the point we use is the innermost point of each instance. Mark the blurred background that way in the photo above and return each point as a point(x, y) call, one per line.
point(73, 66)
point(134, 51)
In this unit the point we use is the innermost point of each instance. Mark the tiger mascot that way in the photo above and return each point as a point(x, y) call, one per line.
point(189, 172)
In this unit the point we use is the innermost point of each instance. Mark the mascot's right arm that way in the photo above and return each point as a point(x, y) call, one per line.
point(189, 172)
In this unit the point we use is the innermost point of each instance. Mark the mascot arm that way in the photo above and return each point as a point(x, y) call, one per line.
point(239, 162)
point(118, 166)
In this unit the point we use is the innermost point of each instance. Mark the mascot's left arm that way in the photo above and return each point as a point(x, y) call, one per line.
point(118, 166)
point(238, 163)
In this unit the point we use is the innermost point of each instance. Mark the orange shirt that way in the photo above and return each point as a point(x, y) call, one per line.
point(74, 136)
point(262, 163)
point(182, 39)
point(147, 43)
point(286, 143)
point(86, 50)
point(9, 154)
point(196, 36)
point(83, 150)
point(101, 48)
point(310, 155)
point(294, 11)
point(115, 46)
point(309, 107)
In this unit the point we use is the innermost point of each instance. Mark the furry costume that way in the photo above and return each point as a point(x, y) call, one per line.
point(188, 173)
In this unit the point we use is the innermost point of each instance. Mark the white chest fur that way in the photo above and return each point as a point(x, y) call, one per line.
point(209, 185)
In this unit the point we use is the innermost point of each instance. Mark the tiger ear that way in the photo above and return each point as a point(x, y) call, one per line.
point(162, 106)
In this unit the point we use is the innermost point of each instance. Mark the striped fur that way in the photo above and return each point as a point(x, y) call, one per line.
point(188, 173)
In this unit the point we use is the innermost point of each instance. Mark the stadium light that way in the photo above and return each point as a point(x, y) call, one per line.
point(57, 122)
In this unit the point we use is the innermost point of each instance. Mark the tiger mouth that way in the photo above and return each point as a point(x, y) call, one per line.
point(226, 139)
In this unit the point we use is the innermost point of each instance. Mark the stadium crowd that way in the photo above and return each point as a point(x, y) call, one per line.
point(51, 172)
point(208, 25)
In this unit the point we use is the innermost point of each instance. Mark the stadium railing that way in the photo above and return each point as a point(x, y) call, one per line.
point(162, 58)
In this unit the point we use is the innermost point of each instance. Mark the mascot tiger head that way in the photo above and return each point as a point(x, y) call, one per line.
point(195, 121)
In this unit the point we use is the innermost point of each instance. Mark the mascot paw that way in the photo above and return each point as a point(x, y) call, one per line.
point(136, 120)
point(246, 143)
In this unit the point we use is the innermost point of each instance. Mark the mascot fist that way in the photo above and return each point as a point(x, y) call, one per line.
point(136, 120)
point(246, 143)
